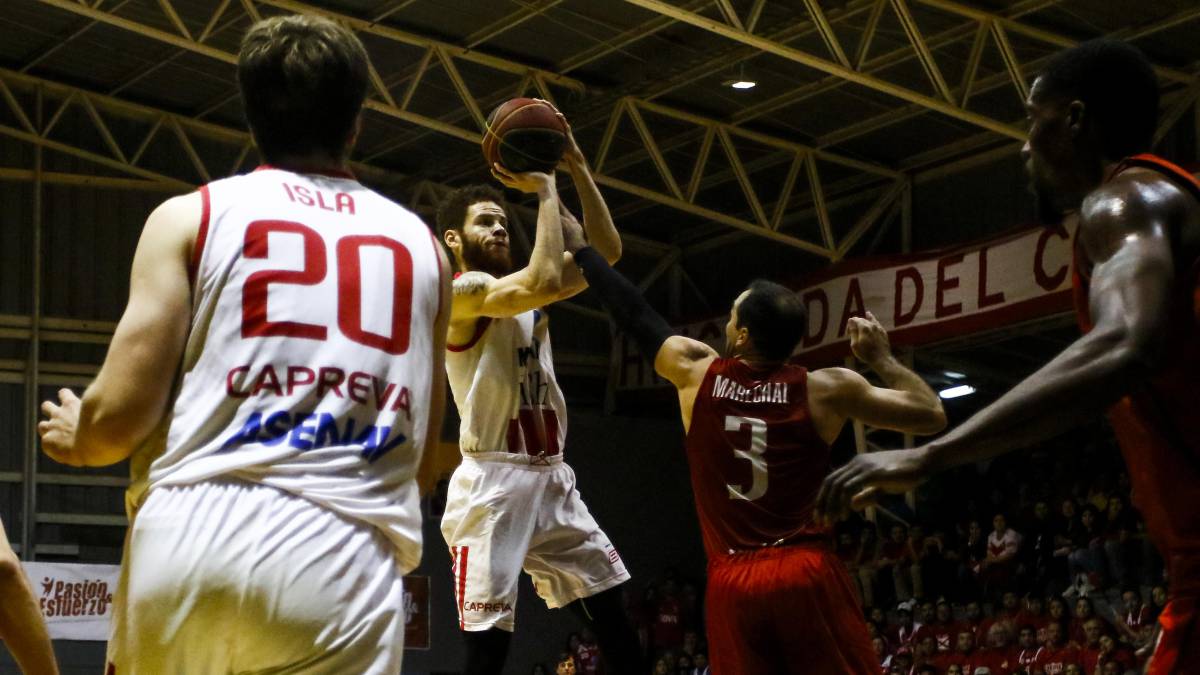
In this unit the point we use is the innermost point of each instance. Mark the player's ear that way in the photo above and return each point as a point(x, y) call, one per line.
point(451, 239)
point(1076, 111)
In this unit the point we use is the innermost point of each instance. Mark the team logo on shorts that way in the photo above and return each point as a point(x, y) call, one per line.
point(613, 556)
point(487, 607)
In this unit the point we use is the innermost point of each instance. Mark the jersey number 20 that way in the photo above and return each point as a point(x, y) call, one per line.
point(349, 286)
point(755, 454)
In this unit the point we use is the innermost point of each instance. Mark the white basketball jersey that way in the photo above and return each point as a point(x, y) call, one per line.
point(309, 363)
point(503, 384)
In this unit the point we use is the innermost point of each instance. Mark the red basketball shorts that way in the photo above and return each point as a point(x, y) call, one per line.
point(785, 610)
point(1178, 648)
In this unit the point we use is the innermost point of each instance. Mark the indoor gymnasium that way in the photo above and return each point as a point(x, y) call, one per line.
point(876, 337)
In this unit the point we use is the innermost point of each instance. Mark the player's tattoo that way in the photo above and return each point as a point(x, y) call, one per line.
point(471, 283)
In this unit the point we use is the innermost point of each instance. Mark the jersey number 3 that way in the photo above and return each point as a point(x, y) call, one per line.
point(755, 455)
point(349, 286)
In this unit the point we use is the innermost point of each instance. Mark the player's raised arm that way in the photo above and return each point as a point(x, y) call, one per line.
point(22, 627)
point(1124, 227)
point(130, 394)
point(598, 227)
point(491, 293)
point(906, 403)
point(680, 360)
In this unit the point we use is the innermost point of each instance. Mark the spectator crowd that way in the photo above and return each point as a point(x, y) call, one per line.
point(1033, 565)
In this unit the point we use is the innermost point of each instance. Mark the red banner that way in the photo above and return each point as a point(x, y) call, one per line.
point(920, 298)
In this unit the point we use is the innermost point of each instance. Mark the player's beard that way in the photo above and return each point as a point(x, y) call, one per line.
point(496, 261)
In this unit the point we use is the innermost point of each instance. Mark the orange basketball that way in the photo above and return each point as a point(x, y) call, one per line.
point(525, 134)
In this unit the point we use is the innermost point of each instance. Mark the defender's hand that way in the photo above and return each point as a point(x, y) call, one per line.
point(573, 236)
point(868, 339)
point(530, 182)
point(58, 432)
point(856, 484)
point(573, 155)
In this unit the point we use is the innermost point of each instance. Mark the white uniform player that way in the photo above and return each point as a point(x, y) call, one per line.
point(273, 380)
point(512, 502)
point(296, 434)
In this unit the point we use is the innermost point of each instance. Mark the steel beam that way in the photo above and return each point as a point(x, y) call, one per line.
point(806, 59)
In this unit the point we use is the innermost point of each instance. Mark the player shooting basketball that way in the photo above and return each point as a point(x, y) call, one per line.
point(512, 502)
point(758, 434)
point(1093, 113)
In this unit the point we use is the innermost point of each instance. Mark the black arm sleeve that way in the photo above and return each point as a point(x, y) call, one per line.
point(625, 303)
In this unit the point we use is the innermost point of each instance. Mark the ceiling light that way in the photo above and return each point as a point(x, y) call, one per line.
point(954, 376)
point(742, 84)
point(955, 392)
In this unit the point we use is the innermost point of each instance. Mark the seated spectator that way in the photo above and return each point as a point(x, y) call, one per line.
point(1134, 612)
point(942, 629)
point(667, 627)
point(587, 654)
point(847, 551)
point(894, 561)
point(690, 603)
point(662, 667)
point(1033, 613)
point(691, 642)
point(538, 669)
point(925, 615)
point(998, 569)
point(901, 634)
point(1089, 649)
point(1113, 654)
point(700, 664)
point(881, 651)
point(1084, 612)
point(1057, 654)
point(954, 669)
point(683, 664)
point(1037, 550)
point(566, 665)
point(997, 655)
point(1027, 649)
point(1073, 669)
point(927, 669)
point(938, 566)
point(1085, 563)
point(902, 661)
point(925, 649)
point(963, 655)
point(1158, 600)
point(1056, 612)
point(972, 616)
point(867, 564)
point(1120, 528)
point(973, 553)
point(1006, 615)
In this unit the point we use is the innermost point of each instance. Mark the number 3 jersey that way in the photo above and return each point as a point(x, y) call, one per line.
point(503, 384)
point(309, 362)
point(755, 457)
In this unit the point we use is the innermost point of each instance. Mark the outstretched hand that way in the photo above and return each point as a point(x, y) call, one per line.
point(860, 481)
point(58, 432)
point(868, 339)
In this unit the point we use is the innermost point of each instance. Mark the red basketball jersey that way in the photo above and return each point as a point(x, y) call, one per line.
point(756, 459)
point(1156, 425)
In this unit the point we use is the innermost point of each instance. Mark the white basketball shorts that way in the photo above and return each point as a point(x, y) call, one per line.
point(504, 514)
point(232, 577)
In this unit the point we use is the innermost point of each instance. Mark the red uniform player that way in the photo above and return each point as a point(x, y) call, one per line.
point(1093, 114)
point(758, 436)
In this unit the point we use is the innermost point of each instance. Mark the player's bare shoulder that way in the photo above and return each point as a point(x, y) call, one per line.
point(1136, 202)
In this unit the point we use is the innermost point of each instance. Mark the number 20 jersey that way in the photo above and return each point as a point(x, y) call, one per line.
point(755, 457)
point(309, 363)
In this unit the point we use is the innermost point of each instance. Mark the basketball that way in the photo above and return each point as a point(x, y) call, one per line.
point(525, 134)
